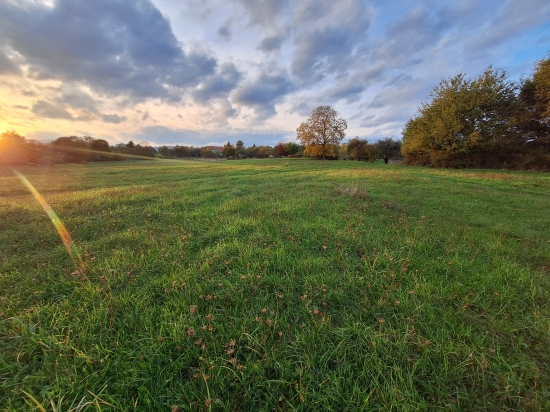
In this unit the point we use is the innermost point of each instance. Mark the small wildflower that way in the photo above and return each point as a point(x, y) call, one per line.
point(233, 361)
point(193, 308)
point(264, 310)
point(191, 332)
point(232, 343)
point(209, 297)
point(198, 342)
point(160, 339)
point(230, 351)
point(381, 320)
point(210, 317)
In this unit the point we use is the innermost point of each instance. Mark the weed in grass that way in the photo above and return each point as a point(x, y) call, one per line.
point(357, 191)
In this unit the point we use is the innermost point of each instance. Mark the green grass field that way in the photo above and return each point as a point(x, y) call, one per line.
point(275, 285)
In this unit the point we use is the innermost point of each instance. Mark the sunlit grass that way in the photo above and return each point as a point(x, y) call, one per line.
point(259, 285)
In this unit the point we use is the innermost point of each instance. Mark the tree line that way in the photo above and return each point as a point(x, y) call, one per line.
point(16, 149)
point(487, 121)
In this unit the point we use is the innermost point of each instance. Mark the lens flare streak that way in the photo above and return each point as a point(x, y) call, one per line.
point(61, 229)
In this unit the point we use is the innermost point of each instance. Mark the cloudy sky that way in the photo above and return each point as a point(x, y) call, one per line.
point(203, 72)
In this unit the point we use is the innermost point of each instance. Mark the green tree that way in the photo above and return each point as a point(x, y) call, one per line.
point(293, 148)
point(229, 150)
point(321, 132)
point(469, 122)
point(357, 148)
point(534, 118)
point(541, 78)
point(165, 152)
point(239, 146)
point(388, 149)
point(100, 145)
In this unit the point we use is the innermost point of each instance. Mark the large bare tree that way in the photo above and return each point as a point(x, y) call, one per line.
point(322, 132)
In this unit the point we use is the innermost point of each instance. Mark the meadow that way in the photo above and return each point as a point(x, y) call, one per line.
point(275, 284)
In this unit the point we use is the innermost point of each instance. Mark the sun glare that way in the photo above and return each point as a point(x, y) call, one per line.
point(58, 224)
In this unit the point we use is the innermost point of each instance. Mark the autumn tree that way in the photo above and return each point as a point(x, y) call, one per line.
point(229, 150)
point(280, 150)
point(321, 132)
point(468, 123)
point(356, 148)
point(534, 118)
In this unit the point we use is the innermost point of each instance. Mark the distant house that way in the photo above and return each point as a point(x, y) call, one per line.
point(215, 149)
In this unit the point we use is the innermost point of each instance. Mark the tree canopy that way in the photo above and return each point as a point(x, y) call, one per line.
point(322, 132)
point(469, 122)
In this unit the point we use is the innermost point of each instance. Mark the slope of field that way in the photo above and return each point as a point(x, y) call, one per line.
point(275, 285)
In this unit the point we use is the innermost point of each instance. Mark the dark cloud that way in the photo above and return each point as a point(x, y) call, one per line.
point(302, 108)
point(349, 91)
point(7, 66)
point(264, 12)
point(224, 32)
point(415, 32)
point(77, 99)
point(113, 118)
point(263, 92)
point(271, 43)
point(43, 108)
point(330, 37)
point(39, 73)
point(123, 47)
point(218, 85)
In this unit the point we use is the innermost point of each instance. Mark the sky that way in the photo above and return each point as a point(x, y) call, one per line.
point(204, 72)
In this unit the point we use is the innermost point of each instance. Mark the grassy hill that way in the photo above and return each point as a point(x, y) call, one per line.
point(275, 285)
